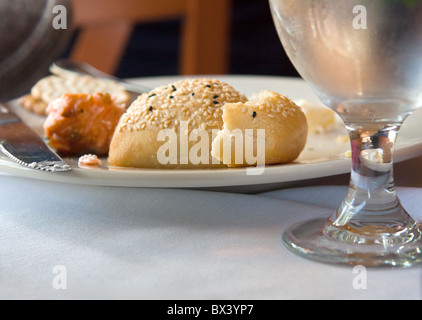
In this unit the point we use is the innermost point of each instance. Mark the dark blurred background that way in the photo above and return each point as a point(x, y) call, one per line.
point(255, 47)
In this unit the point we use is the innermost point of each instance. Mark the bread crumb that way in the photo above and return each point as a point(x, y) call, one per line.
point(89, 160)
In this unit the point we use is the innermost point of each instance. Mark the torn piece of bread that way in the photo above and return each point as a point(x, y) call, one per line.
point(321, 119)
point(170, 116)
point(282, 121)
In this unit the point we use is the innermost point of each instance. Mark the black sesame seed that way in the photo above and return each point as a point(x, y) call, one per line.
point(215, 102)
point(208, 86)
point(193, 94)
point(215, 97)
point(153, 95)
point(254, 114)
point(174, 88)
point(151, 108)
point(171, 97)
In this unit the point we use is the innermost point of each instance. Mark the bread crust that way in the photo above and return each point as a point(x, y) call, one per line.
point(180, 108)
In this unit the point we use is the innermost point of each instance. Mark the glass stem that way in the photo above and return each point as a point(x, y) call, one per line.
point(372, 197)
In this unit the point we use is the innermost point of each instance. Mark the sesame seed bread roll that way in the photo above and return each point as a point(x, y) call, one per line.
point(174, 112)
point(283, 122)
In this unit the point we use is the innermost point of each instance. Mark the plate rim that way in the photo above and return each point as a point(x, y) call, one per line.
point(160, 178)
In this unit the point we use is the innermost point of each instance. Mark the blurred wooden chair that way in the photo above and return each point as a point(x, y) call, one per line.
point(105, 27)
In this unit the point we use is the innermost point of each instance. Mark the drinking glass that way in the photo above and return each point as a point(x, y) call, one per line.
point(363, 59)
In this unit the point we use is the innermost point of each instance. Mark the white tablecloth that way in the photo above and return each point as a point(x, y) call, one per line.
point(131, 243)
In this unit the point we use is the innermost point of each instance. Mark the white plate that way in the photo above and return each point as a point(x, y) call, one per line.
point(323, 156)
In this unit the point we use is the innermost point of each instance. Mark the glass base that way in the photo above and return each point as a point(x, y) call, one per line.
point(320, 240)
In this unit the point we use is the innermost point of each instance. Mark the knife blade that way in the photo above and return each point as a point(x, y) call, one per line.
point(21, 144)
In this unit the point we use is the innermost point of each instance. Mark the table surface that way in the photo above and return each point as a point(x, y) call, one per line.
point(60, 241)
